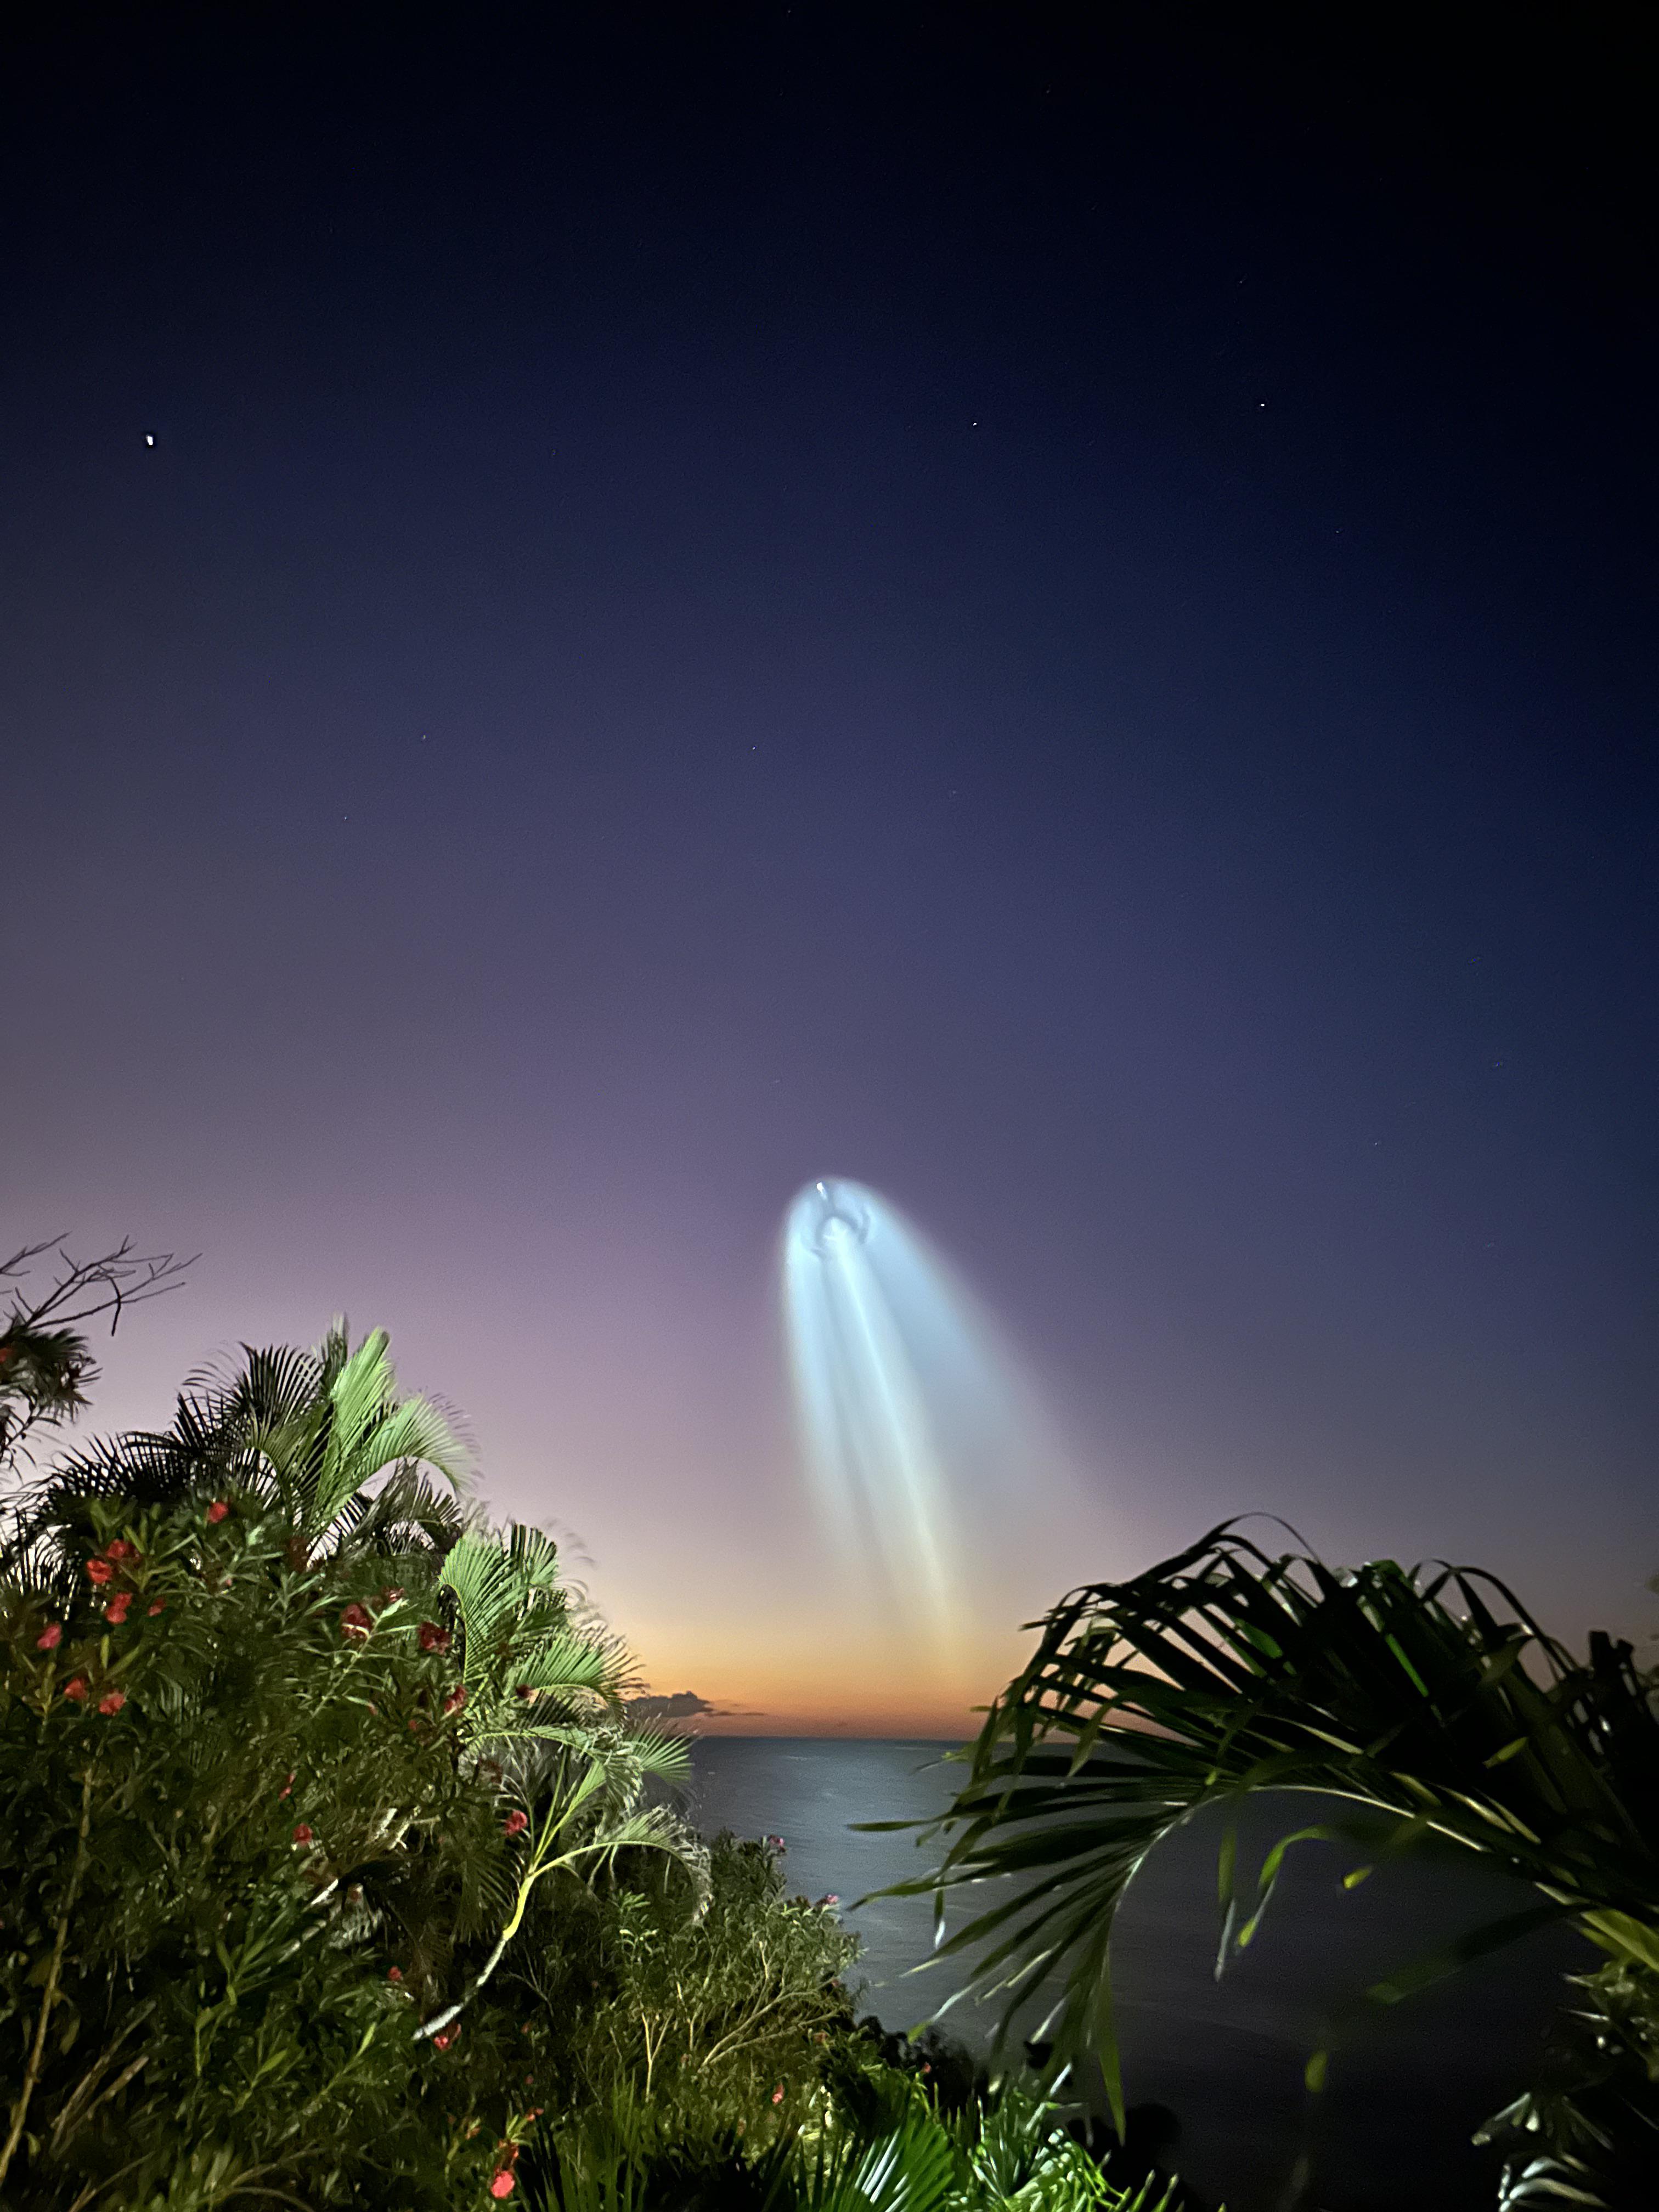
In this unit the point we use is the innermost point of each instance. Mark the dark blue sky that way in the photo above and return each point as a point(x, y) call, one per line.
point(1052, 612)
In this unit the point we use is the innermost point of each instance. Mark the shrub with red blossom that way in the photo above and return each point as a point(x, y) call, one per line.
point(291, 1667)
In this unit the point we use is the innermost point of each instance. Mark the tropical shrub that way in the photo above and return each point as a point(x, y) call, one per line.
point(717, 2019)
point(287, 1762)
point(1013, 2153)
point(243, 1847)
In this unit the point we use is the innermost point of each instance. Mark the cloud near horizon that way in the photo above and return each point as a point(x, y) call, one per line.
point(684, 1705)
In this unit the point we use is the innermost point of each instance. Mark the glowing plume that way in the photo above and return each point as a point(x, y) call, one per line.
point(924, 1447)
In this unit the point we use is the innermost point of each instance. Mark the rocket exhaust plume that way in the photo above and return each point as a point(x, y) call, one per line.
point(935, 1473)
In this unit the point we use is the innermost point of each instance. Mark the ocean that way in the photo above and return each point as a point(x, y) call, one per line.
point(1391, 2130)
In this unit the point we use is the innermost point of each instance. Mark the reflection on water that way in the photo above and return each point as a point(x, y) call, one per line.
point(1392, 2130)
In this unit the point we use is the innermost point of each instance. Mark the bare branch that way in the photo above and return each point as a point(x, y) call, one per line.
point(87, 1288)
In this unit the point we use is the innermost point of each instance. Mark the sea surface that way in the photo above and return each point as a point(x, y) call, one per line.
point(1390, 2133)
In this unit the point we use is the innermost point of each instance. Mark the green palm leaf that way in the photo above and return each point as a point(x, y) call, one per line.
point(320, 1438)
point(1431, 1697)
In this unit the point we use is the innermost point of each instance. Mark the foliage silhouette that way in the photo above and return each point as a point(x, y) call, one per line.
point(1431, 1697)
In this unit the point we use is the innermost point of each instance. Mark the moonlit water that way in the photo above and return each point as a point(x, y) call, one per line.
point(934, 1471)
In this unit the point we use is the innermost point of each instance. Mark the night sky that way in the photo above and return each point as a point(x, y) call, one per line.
point(1054, 612)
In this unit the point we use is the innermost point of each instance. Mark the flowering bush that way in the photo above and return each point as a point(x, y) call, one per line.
point(215, 1801)
point(305, 1789)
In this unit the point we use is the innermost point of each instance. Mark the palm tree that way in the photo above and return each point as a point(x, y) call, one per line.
point(1429, 1698)
point(321, 1439)
point(542, 1698)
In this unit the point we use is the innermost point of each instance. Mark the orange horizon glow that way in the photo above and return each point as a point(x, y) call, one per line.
point(846, 1683)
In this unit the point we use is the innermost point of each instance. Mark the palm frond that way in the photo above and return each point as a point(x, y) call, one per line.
point(487, 1590)
point(370, 1429)
point(407, 1514)
point(1430, 1697)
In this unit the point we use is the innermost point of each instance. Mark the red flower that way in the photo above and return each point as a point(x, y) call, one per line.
point(120, 1549)
point(444, 2038)
point(100, 1571)
point(515, 1824)
point(50, 1637)
point(217, 1512)
point(302, 1834)
point(283, 1791)
point(432, 1638)
point(112, 1701)
point(777, 2094)
point(502, 2183)
point(160, 1606)
point(394, 1974)
point(75, 1688)
point(455, 1700)
point(356, 1621)
point(116, 1610)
